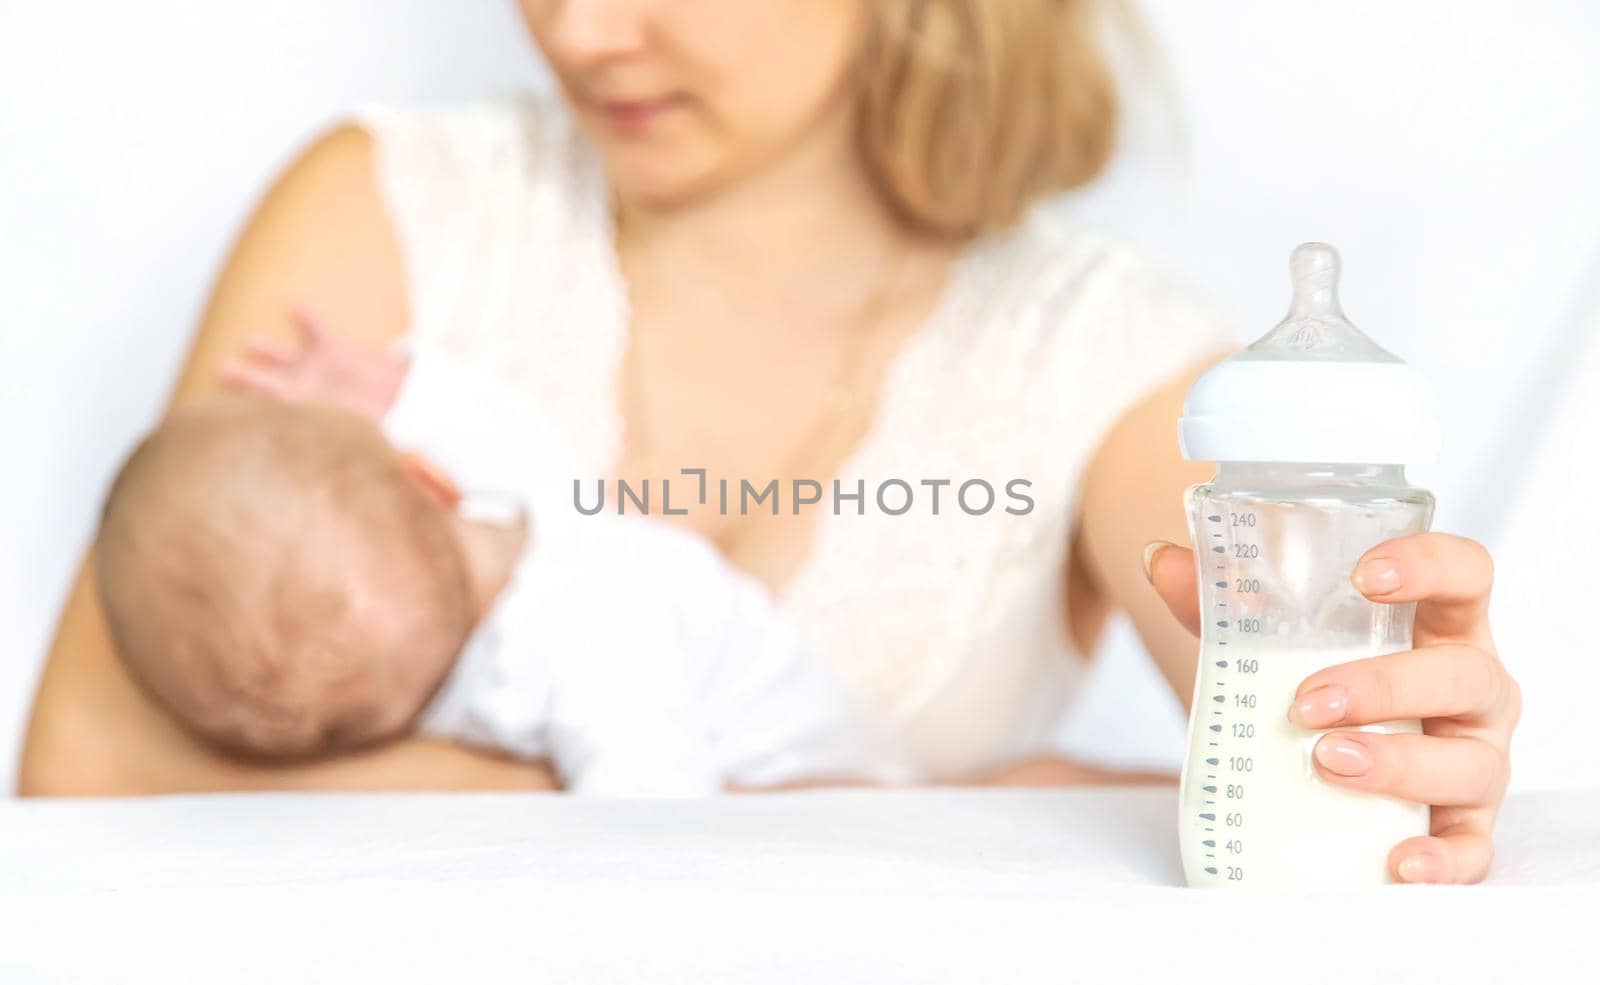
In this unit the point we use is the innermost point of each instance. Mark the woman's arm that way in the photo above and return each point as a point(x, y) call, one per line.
point(1132, 495)
point(321, 239)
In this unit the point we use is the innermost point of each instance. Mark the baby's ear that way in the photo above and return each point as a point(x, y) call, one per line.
point(431, 479)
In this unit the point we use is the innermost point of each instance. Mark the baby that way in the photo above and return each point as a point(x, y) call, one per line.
point(288, 584)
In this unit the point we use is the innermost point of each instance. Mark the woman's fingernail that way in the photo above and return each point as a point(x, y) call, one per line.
point(1150, 551)
point(1376, 576)
point(1320, 707)
point(1421, 867)
point(1343, 754)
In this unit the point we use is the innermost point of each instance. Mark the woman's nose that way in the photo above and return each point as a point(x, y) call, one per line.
point(587, 31)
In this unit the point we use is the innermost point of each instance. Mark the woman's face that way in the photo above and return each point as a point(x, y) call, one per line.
point(684, 96)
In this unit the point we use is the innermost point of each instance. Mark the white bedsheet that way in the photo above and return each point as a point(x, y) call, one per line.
point(863, 886)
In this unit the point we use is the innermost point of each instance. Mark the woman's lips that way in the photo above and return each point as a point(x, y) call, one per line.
point(634, 116)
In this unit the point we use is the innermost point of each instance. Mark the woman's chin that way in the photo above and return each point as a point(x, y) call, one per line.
point(653, 187)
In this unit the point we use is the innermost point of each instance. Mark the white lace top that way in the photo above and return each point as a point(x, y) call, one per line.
point(952, 627)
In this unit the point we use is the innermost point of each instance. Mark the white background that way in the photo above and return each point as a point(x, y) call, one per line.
point(1448, 149)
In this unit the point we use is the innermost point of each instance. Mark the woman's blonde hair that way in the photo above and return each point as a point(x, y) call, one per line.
point(971, 110)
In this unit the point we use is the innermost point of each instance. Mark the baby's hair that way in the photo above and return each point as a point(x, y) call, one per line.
point(273, 577)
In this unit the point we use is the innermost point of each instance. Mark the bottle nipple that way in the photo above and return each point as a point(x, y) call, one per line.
point(1313, 391)
point(1314, 271)
point(1316, 327)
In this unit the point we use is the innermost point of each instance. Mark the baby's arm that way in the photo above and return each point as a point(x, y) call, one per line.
point(785, 720)
point(485, 433)
point(614, 698)
point(635, 741)
point(325, 367)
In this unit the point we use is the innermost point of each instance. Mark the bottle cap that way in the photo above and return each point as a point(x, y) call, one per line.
point(1315, 389)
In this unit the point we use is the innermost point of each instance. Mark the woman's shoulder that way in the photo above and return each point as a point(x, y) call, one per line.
point(1085, 289)
point(516, 128)
point(1054, 259)
point(489, 150)
point(491, 203)
point(1083, 324)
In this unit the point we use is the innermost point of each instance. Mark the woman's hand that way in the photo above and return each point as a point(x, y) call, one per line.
point(1453, 681)
point(325, 367)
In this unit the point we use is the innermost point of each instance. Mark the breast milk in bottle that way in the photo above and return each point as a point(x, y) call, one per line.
point(1311, 428)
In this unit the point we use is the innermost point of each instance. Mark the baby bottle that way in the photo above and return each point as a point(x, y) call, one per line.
point(1310, 427)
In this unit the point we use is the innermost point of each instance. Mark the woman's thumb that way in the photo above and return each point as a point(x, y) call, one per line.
point(1170, 569)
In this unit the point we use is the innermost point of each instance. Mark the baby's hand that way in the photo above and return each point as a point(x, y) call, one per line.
point(325, 367)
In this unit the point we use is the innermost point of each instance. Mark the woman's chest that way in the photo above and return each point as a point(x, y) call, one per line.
point(915, 482)
point(770, 432)
point(747, 412)
point(914, 530)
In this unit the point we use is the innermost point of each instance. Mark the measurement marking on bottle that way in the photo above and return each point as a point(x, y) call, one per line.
point(1237, 549)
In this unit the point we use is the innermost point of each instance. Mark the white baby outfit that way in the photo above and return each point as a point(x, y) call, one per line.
point(623, 650)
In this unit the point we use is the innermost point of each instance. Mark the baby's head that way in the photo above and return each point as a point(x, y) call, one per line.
point(279, 579)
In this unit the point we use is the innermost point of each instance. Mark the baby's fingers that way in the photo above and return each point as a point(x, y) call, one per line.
point(313, 328)
point(264, 353)
point(1459, 854)
point(254, 378)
